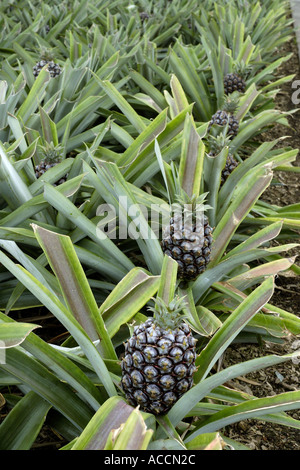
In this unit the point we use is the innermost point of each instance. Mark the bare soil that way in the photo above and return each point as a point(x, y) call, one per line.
point(256, 434)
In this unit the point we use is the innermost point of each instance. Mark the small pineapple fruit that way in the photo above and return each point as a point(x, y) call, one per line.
point(144, 16)
point(230, 165)
point(188, 237)
point(51, 156)
point(159, 360)
point(234, 82)
point(46, 57)
point(217, 144)
point(225, 117)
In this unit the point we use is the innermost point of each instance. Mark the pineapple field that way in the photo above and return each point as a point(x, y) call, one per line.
point(149, 227)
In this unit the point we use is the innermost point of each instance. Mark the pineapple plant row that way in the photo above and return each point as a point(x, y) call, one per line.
point(166, 305)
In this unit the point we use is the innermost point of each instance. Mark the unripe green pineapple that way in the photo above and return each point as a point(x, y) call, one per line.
point(188, 237)
point(46, 57)
point(225, 117)
point(159, 360)
point(234, 82)
point(52, 155)
point(144, 16)
point(230, 165)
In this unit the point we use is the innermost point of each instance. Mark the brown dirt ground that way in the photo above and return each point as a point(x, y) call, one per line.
point(257, 434)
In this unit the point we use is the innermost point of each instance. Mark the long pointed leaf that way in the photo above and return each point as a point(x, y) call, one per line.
point(47, 385)
point(253, 186)
point(232, 326)
point(65, 317)
point(111, 415)
point(75, 287)
point(200, 390)
point(250, 409)
point(20, 428)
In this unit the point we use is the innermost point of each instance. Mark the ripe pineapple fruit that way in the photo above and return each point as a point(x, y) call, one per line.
point(225, 117)
point(46, 57)
point(52, 155)
point(188, 237)
point(159, 360)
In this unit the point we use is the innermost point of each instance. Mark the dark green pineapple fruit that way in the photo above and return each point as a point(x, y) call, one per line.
point(51, 156)
point(235, 81)
point(47, 58)
point(159, 360)
point(188, 237)
point(144, 16)
point(225, 117)
point(230, 165)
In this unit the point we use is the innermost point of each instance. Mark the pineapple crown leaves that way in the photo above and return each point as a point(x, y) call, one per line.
point(230, 103)
point(51, 153)
point(168, 316)
point(218, 143)
point(47, 53)
point(183, 199)
point(242, 69)
point(191, 205)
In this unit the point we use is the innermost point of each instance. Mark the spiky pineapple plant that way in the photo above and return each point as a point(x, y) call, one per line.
point(225, 117)
point(216, 145)
point(159, 360)
point(78, 381)
point(51, 156)
point(47, 58)
point(188, 237)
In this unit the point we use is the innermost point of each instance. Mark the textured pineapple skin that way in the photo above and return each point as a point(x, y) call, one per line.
point(230, 165)
point(233, 82)
point(53, 68)
point(158, 366)
point(190, 247)
point(222, 118)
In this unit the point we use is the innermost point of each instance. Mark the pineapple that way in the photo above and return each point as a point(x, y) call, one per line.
point(144, 16)
point(52, 155)
point(188, 237)
point(230, 165)
point(46, 58)
point(233, 82)
point(225, 117)
point(216, 146)
point(159, 360)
